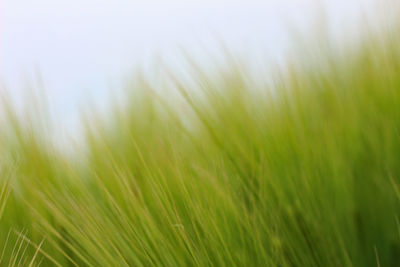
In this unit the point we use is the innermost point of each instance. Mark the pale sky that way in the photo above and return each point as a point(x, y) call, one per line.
point(82, 48)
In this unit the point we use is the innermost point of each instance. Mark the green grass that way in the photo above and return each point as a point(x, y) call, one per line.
point(302, 173)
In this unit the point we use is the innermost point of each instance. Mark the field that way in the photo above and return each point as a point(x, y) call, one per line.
point(300, 171)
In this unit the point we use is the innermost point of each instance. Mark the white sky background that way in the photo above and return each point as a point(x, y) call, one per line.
point(84, 48)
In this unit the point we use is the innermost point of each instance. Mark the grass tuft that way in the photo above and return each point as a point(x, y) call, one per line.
point(230, 173)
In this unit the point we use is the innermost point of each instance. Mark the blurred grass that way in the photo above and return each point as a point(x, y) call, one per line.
point(303, 173)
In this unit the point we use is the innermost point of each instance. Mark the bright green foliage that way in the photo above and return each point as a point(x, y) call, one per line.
point(304, 173)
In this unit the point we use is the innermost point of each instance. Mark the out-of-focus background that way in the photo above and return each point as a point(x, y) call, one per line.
point(82, 50)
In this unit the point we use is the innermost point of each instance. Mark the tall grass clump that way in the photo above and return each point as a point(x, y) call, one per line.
point(303, 172)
